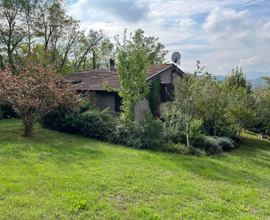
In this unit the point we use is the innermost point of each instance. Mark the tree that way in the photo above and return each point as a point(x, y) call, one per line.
point(12, 28)
point(187, 95)
point(213, 102)
point(236, 79)
point(131, 65)
point(35, 91)
point(155, 51)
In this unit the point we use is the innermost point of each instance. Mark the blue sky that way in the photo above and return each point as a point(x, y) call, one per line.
point(222, 34)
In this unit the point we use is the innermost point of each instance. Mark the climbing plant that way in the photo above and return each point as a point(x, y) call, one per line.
point(153, 96)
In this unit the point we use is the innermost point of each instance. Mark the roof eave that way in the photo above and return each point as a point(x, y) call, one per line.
point(160, 73)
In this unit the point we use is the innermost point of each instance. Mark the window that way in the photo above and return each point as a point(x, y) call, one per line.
point(166, 92)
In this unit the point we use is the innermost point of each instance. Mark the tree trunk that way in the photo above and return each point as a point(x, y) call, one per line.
point(187, 131)
point(27, 130)
point(94, 60)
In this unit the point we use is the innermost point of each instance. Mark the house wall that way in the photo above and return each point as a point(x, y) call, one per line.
point(166, 78)
point(105, 100)
point(141, 106)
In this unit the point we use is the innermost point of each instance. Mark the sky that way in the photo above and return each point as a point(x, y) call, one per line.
point(222, 34)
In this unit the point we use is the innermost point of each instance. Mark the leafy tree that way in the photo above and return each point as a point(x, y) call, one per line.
point(240, 108)
point(236, 79)
point(12, 28)
point(187, 94)
point(213, 103)
point(261, 106)
point(155, 51)
point(131, 65)
point(35, 91)
point(85, 46)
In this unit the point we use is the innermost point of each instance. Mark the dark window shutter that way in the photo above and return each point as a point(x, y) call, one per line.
point(118, 102)
point(166, 92)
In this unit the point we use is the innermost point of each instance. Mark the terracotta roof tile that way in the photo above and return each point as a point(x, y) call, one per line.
point(94, 79)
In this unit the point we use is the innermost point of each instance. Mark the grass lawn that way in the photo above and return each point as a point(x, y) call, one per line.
point(54, 175)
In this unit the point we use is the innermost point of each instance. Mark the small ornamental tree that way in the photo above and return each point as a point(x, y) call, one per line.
point(34, 91)
point(187, 92)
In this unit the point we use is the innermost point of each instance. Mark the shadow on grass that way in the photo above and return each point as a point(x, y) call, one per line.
point(48, 145)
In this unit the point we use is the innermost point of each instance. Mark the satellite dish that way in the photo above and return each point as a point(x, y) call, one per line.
point(176, 56)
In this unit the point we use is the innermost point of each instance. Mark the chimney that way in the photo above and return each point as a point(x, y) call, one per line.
point(112, 65)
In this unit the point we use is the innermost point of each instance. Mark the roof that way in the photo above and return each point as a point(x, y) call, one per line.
point(94, 79)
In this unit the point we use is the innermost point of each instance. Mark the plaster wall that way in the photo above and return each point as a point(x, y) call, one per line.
point(164, 106)
point(166, 78)
point(141, 106)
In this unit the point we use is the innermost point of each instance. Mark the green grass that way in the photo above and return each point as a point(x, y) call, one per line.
point(54, 175)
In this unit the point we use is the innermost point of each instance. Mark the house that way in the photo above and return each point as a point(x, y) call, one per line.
point(93, 80)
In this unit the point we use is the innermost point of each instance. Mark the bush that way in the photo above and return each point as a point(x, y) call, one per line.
point(1, 114)
point(93, 123)
point(212, 145)
point(96, 124)
point(7, 111)
point(224, 129)
point(145, 134)
point(56, 119)
point(174, 129)
point(226, 143)
point(237, 140)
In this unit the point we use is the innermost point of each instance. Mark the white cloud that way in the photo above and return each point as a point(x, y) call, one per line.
point(264, 32)
point(249, 61)
point(186, 23)
point(221, 34)
point(227, 24)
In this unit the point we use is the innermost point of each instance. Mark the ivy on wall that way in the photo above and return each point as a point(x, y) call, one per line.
point(153, 96)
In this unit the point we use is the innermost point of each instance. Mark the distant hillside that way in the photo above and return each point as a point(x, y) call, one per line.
point(256, 75)
point(254, 81)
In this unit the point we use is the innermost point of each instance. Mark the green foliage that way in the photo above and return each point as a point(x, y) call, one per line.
point(8, 111)
point(212, 145)
point(92, 123)
point(145, 134)
point(56, 119)
point(153, 96)
point(131, 65)
point(237, 79)
point(223, 128)
point(187, 94)
point(1, 114)
point(226, 143)
point(213, 103)
point(174, 128)
point(155, 51)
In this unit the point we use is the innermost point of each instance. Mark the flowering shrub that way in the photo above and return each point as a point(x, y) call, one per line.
point(34, 91)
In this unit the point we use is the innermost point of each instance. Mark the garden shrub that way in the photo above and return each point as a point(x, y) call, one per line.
point(56, 119)
point(1, 114)
point(145, 134)
point(174, 129)
point(7, 111)
point(225, 143)
point(212, 145)
point(97, 124)
point(237, 140)
point(194, 151)
point(92, 123)
point(224, 129)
